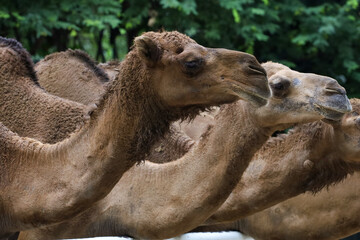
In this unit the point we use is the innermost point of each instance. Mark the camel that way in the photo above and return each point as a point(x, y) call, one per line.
point(309, 158)
point(89, 77)
point(164, 200)
point(325, 156)
point(330, 214)
point(43, 184)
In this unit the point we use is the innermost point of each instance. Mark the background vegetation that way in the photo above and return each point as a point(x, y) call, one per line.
point(308, 35)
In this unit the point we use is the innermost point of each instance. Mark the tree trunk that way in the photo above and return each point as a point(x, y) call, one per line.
point(100, 52)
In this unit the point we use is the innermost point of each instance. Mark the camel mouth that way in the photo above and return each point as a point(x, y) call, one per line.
point(330, 114)
point(252, 97)
point(259, 97)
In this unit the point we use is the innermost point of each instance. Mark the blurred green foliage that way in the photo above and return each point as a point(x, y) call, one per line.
point(308, 35)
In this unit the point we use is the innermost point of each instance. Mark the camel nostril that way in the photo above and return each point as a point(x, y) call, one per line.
point(257, 69)
point(333, 87)
point(335, 90)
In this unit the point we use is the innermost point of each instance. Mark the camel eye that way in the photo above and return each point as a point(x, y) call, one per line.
point(280, 87)
point(193, 67)
point(193, 64)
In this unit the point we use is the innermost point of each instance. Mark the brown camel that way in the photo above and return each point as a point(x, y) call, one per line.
point(54, 76)
point(328, 215)
point(164, 200)
point(331, 214)
point(158, 78)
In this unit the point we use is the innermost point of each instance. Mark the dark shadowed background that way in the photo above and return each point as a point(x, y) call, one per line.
point(308, 35)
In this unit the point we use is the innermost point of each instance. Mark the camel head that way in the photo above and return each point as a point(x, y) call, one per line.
point(302, 97)
point(347, 133)
point(185, 73)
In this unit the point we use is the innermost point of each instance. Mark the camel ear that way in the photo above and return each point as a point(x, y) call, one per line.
point(148, 50)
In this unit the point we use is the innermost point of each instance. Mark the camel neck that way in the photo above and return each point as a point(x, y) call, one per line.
point(196, 184)
point(264, 183)
point(96, 155)
point(131, 112)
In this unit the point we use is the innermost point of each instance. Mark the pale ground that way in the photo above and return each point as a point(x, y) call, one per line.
point(192, 236)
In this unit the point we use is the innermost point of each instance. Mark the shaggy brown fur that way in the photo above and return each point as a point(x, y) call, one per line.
point(172, 147)
point(59, 181)
point(179, 195)
point(56, 74)
point(111, 68)
point(25, 108)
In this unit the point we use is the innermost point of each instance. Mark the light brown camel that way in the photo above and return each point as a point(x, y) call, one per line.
point(43, 184)
point(55, 76)
point(333, 213)
point(164, 200)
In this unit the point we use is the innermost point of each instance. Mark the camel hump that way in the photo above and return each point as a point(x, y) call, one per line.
point(15, 59)
point(82, 57)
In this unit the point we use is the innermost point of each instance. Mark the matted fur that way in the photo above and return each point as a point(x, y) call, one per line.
point(26, 108)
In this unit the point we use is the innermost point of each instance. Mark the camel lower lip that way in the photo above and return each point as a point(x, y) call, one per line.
point(330, 113)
